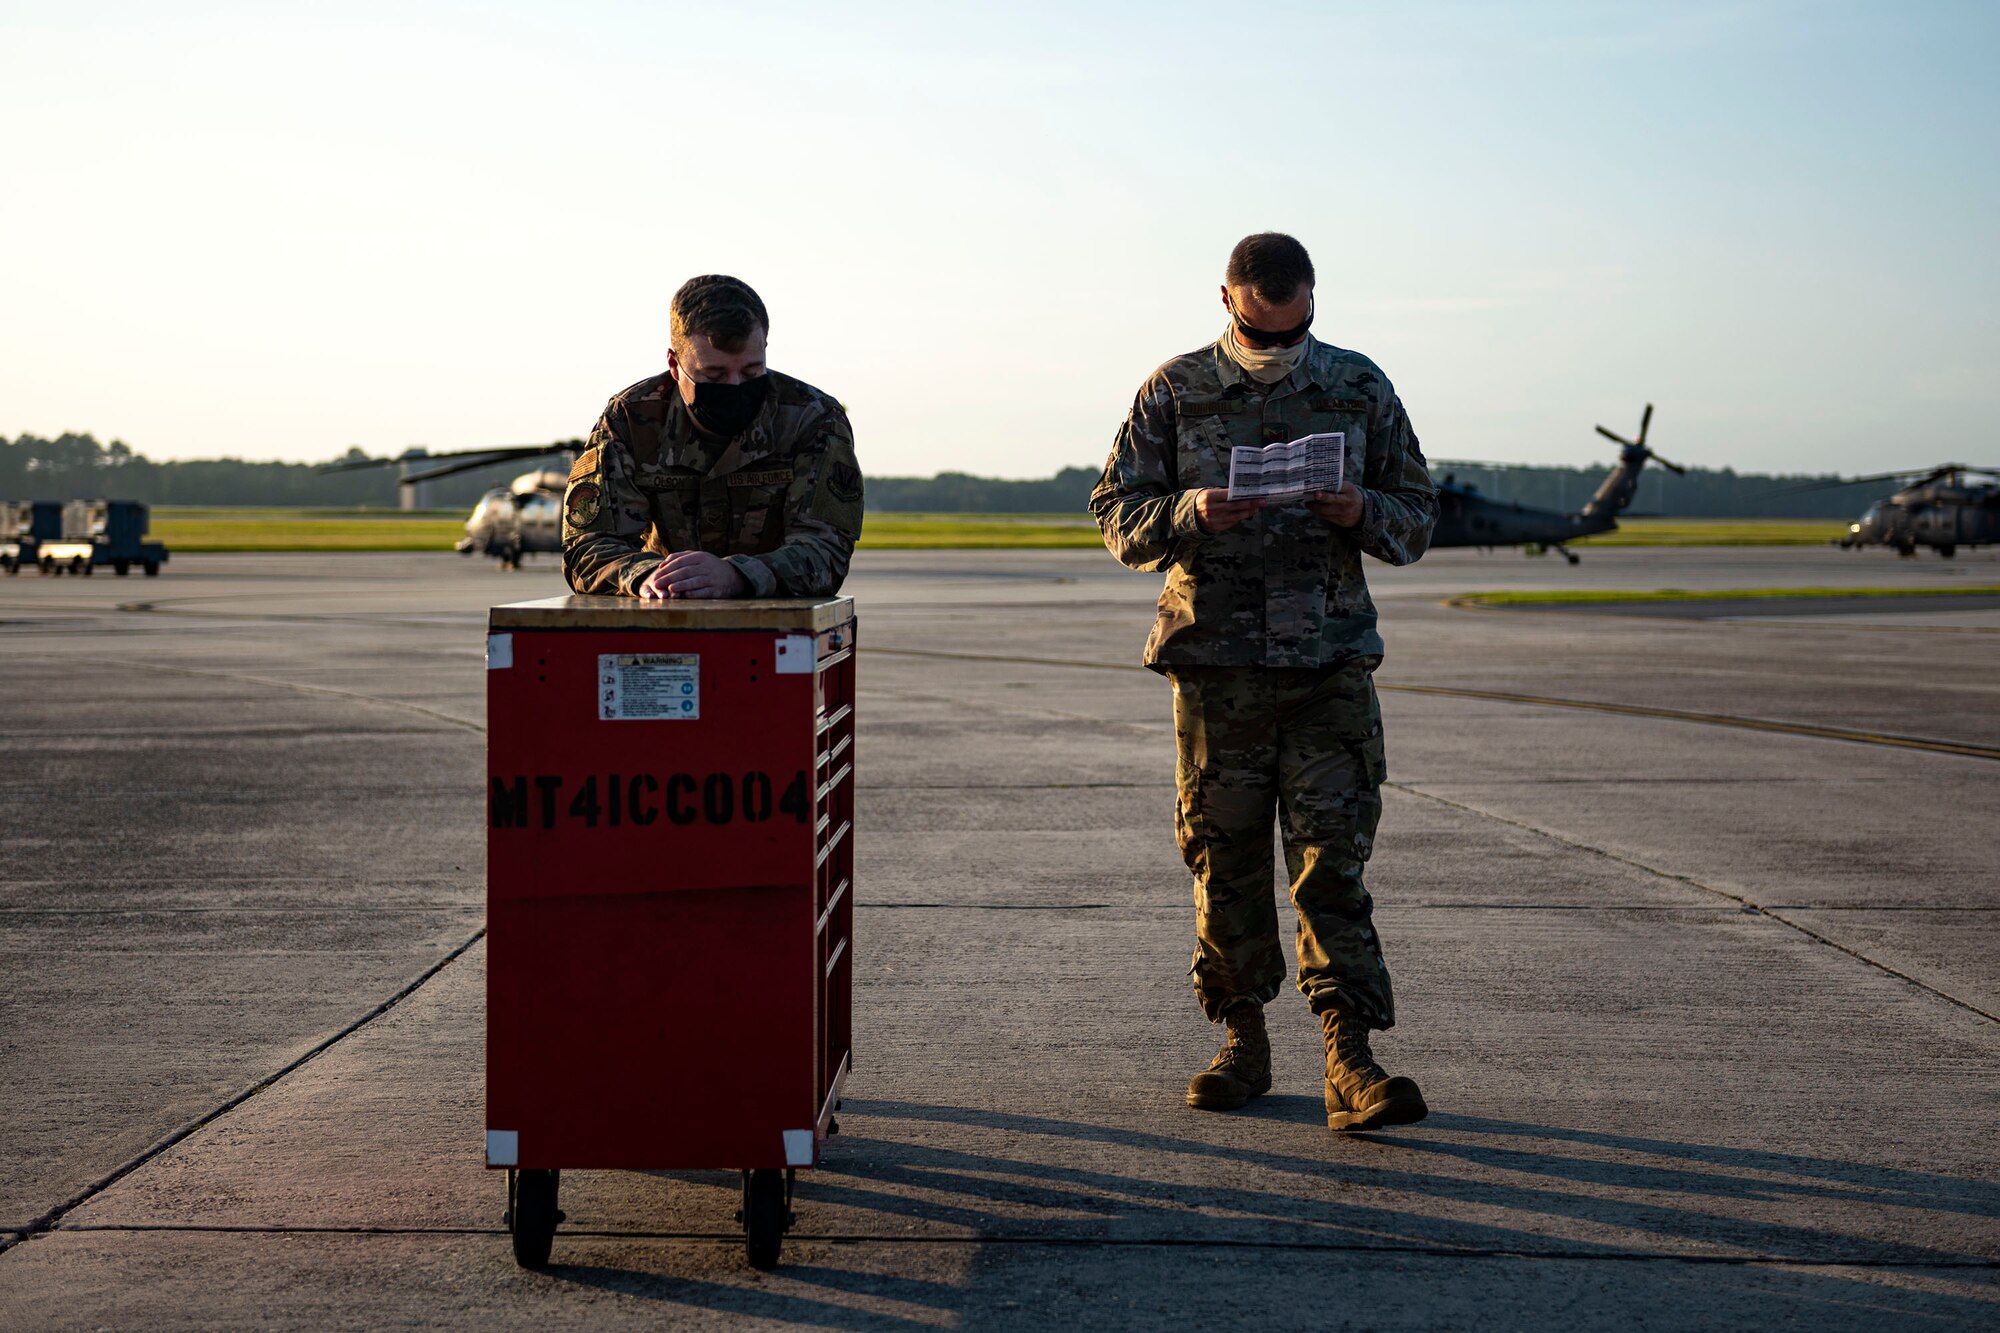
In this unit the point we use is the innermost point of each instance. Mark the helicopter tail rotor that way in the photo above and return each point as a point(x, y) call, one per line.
point(1645, 424)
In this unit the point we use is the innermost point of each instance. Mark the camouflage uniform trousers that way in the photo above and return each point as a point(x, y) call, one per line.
point(1305, 743)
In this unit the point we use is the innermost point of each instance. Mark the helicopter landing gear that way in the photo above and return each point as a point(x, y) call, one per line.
point(1947, 551)
point(1567, 554)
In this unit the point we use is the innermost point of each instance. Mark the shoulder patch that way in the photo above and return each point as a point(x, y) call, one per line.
point(586, 464)
point(843, 480)
point(583, 505)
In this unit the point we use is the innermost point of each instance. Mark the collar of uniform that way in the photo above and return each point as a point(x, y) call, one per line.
point(1228, 373)
point(1308, 372)
point(688, 448)
point(1315, 368)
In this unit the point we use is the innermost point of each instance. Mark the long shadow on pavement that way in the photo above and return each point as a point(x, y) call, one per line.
point(1529, 1203)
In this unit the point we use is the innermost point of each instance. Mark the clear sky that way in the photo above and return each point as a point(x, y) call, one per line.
point(274, 231)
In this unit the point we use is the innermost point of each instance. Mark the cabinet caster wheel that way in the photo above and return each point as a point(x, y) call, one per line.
point(532, 1214)
point(766, 1215)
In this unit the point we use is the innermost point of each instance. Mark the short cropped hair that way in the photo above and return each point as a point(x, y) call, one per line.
point(720, 308)
point(1272, 265)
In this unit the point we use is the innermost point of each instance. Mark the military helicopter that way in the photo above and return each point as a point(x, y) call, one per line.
point(1467, 518)
point(520, 518)
point(1938, 508)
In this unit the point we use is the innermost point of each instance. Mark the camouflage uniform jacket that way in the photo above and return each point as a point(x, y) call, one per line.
point(1283, 588)
point(782, 503)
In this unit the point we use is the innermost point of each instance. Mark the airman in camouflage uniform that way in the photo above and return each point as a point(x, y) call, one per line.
point(1267, 631)
point(779, 500)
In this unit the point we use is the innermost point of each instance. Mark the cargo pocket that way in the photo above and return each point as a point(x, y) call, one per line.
point(1188, 831)
point(1371, 756)
point(1361, 729)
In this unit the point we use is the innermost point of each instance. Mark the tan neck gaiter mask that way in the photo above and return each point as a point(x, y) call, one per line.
point(1266, 365)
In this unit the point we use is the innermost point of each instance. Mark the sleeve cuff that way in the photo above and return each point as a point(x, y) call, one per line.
point(639, 573)
point(1184, 523)
point(1369, 530)
point(763, 583)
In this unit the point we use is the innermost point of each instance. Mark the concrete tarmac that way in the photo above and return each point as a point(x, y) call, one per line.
point(1707, 1012)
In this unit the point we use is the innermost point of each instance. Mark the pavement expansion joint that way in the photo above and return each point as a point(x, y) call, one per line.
point(1620, 909)
point(1961, 749)
point(1883, 907)
point(1747, 905)
point(327, 690)
point(1013, 786)
point(413, 620)
point(50, 1220)
point(1029, 1241)
point(313, 909)
point(983, 907)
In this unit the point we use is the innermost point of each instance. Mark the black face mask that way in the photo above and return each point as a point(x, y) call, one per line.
point(725, 409)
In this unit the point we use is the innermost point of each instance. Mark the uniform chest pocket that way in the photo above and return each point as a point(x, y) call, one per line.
point(757, 508)
point(1348, 416)
point(676, 504)
point(1209, 429)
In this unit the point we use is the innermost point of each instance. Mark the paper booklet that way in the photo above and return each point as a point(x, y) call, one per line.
point(1309, 463)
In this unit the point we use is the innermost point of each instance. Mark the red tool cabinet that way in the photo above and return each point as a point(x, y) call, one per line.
point(670, 852)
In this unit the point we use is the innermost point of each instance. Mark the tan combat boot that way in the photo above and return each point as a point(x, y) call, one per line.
point(1359, 1093)
point(1241, 1069)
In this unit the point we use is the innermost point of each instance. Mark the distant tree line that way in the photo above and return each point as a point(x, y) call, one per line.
point(72, 467)
point(1068, 492)
point(77, 467)
point(1701, 493)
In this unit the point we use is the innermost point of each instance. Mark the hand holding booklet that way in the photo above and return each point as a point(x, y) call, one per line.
point(1295, 467)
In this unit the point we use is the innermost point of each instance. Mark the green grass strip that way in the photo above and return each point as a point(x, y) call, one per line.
point(898, 532)
point(1720, 532)
point(202, 528)
point(293, 533)
point(379, 513)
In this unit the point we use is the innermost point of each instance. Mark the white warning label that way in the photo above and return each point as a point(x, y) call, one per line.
point(648, 687)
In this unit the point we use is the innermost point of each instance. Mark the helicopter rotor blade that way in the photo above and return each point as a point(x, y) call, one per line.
point(1914, 476)
point(453, 469)
point(1672, 467)
point(498, 453)
point(356, 465)
point(1614, 435)
point(1645, 420)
